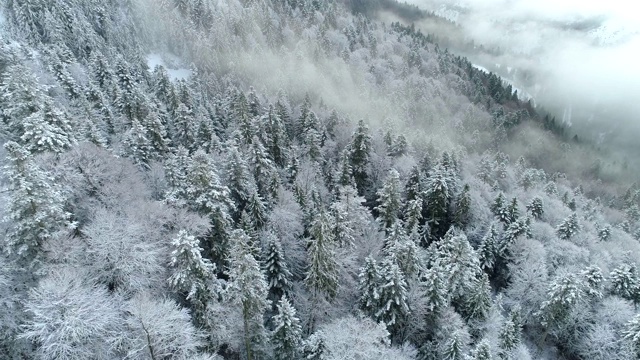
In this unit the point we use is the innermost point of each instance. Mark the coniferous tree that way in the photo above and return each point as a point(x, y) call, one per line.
point(564, 294)
point(359, 153)
point(36, 204)
point(453, 348)
point(47, 129)
point(463, 207)
point(393, 308)
point(489, 249)
point(205, 194)
point(624, 283)
point(482, 351)
point(389, 200)
point(434, 290)
point(509, 338)
point(535, 208)
point(437, 197)
point(287, 335)
point(369, 286)
point(278, 274)
point(137, 144)
point(191, 274)
point(569, 227)
point(477, 301)
point(248, 288)
point(322, 276)
point(239, 180)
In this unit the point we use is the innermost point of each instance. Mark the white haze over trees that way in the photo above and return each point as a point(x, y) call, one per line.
point(294, 180)
point(575, 57)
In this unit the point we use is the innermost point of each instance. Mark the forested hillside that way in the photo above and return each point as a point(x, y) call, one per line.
point(283, 179)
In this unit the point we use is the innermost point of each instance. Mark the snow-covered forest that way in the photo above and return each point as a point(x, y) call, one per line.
point(293, 179)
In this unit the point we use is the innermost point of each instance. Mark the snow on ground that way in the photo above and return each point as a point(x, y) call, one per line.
point(170, 62)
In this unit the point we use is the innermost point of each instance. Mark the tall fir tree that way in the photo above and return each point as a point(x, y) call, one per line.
point(249, 290)
point(287, 335)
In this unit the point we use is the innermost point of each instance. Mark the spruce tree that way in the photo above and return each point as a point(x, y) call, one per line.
point(248, 289)
point(369, 286)
point(287, 335)
point(322, 275)
point(47, 129)
point(278, 275)
point(437, 197)
point(535, 208)
point(393, 308)
point(360, 149)
point(569, 227)
point(482, 351)
point(191, 274)
point(463, 205)
point(509, 338)
point(36, 204)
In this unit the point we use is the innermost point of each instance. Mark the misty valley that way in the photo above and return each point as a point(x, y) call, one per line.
point(318, 180)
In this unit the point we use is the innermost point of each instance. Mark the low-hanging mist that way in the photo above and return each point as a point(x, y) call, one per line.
point(576, 58)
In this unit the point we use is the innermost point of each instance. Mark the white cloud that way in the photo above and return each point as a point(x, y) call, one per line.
point(583, 53)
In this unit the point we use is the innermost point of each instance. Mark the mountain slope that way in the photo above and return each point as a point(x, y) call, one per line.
point(314, 184)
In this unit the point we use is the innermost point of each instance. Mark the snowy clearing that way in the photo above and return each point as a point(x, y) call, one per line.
point(169, 62)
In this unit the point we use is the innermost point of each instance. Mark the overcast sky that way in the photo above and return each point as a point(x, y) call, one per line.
point(597, 70)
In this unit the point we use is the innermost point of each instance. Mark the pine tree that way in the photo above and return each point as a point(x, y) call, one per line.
point(535, 208)
point(564, 294)
point(453, 348)
point(263, 168)
point(604, 233)
point(434, 290)
point(414, 187)
point(156, 132)
point(389, 200)
point(413, 214)
point(463, 205)
point(477, 301)
point(47, 129)
point(184, 127)
point(569, 227)
point(21, 97)
point(482, 351)
point(278, 275)
point(276, 137)
point(512, 211)
point(437, 197)
point(593, 278)
point(459, 262)
point(624, 282)
point(287, 335)
point(360, 149)
point(489, 249)
point(315, 348)
point(137, 144)
point(204, 192)
point(498, 208)
point(248, 288)
point(509, 338)
point(36, 204)
point(369, 286)
point(322, 275)
point(344, 176)
point(191, 274)
point(393, 308)
point(239, 179)
point(257, 209)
